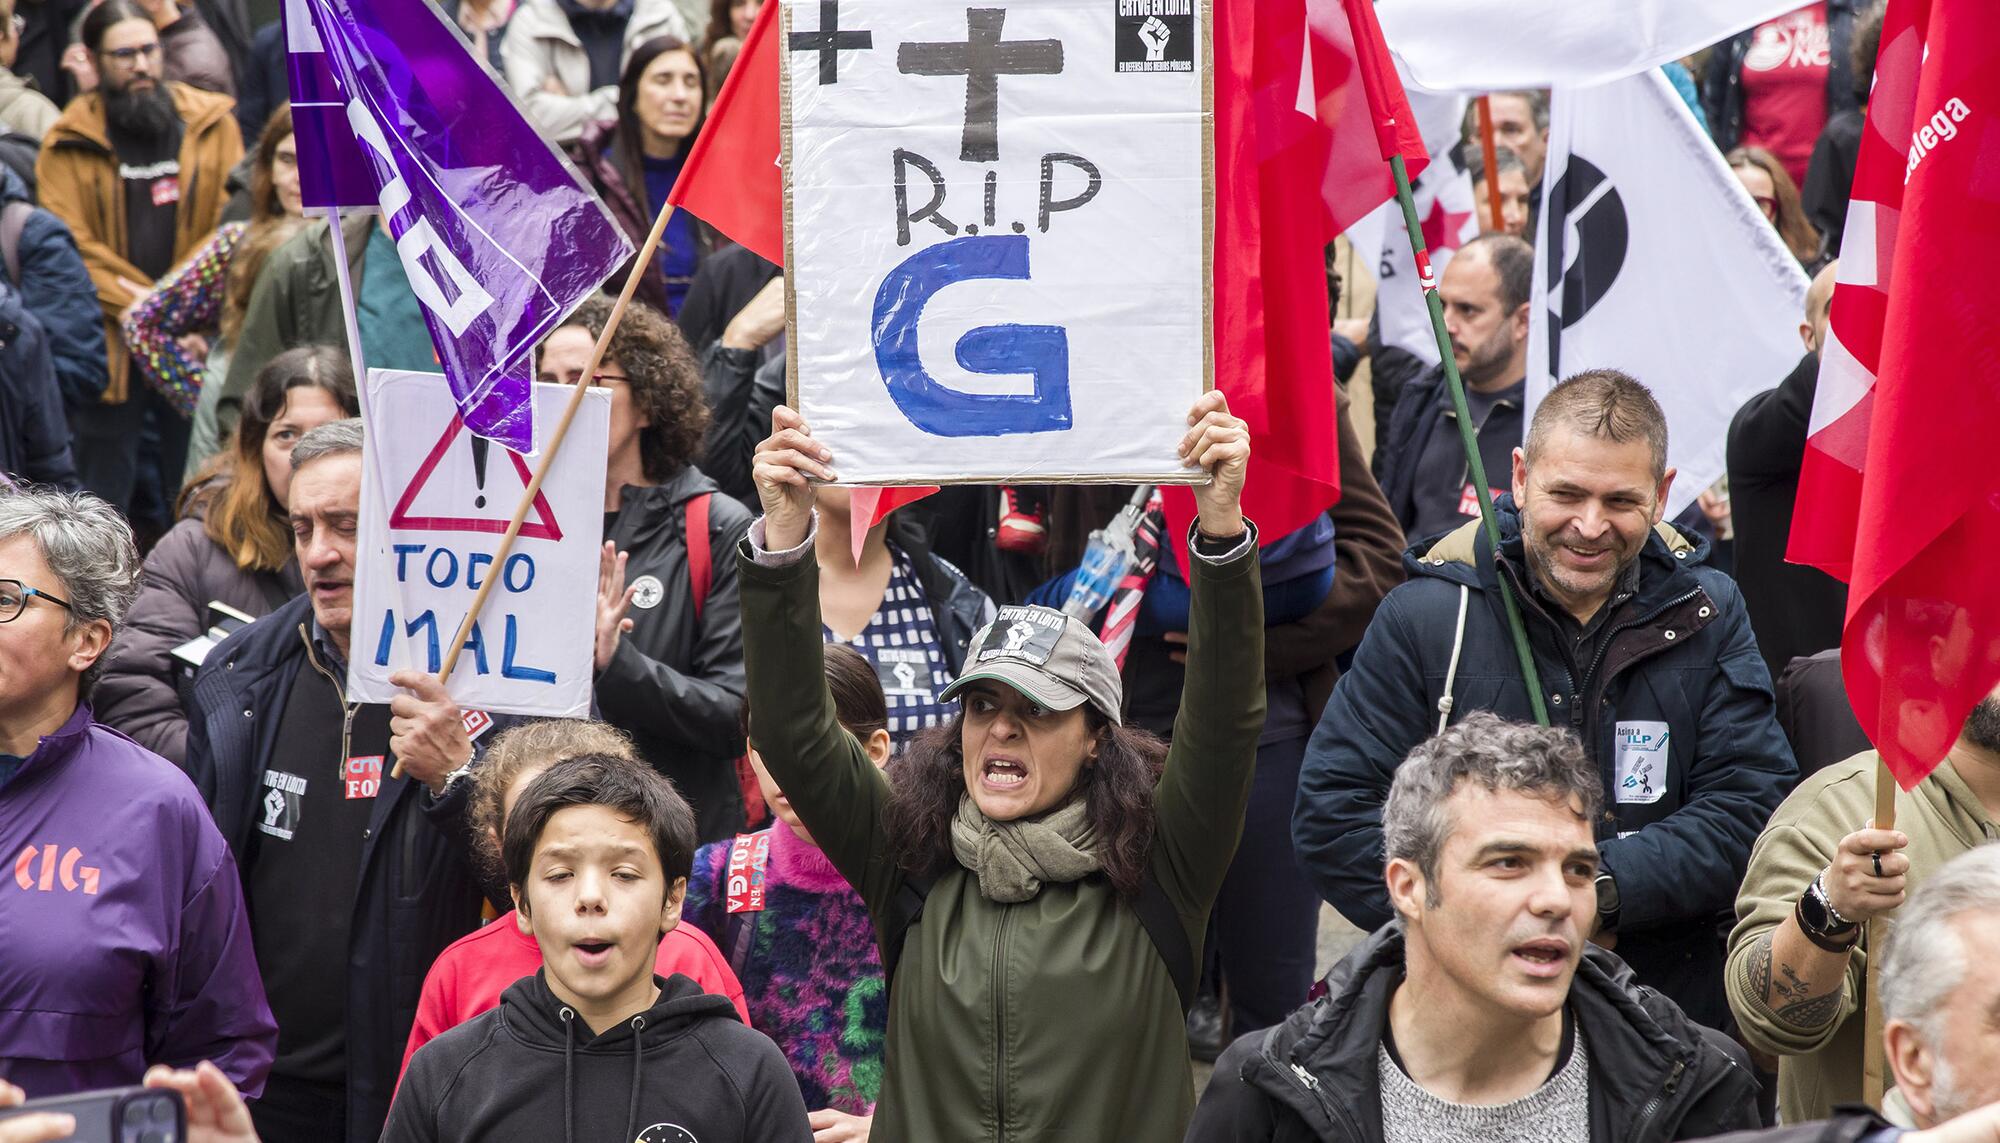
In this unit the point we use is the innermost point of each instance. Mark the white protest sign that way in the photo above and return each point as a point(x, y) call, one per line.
point(998, 233)
point(434, 502)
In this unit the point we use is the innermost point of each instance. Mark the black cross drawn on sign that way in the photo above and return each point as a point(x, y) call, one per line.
point(830, 40)
point(982, 59)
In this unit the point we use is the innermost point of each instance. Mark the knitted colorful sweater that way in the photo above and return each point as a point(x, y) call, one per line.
point(808, 965)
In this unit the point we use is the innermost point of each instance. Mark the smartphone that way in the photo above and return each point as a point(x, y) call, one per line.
point(117, 1115)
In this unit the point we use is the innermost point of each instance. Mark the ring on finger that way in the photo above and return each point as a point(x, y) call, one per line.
point(1877, 858)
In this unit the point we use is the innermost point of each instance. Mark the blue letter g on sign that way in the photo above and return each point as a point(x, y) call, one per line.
point(1039, 350)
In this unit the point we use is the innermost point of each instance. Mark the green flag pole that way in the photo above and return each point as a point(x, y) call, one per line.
point(1466, 435)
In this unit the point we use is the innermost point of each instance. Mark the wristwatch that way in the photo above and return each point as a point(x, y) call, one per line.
point(1607, 902)
point(1821, 922)
point(455, 777)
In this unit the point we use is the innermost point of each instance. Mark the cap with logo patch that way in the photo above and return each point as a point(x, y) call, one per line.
point(1052, 658)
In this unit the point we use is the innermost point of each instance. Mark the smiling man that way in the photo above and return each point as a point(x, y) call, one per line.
point(356, 878)
point(1642, 652)
point(1481, 1011)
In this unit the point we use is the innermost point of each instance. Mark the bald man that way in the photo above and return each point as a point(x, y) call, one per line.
point(1794, 610)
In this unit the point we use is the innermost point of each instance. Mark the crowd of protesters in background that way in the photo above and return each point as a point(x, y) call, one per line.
point(1000, 895)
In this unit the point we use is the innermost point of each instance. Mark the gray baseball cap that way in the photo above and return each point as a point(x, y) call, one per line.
point(1053, 658)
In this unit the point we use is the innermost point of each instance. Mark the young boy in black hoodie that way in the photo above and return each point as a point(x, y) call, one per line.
point(594, 1048)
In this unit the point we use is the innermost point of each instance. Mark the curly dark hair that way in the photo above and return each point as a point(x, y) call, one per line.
point(665, 380)
point(1118, 788)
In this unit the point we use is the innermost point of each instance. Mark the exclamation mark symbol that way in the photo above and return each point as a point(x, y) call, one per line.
point(479, 444)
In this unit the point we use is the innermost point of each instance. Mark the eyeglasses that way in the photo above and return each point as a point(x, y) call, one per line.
point(14, 597)
point(126, 57)
point(601, 379)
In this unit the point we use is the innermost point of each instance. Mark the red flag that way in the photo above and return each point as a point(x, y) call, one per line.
point(870, 506)
point(1895, 496)
point(732, 180)
point(1300, 135)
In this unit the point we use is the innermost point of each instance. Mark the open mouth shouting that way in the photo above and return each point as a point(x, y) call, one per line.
point(594, 953)
point(1544, 959)
point(1003, 774)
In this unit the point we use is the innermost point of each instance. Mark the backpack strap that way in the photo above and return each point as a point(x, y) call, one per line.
point(1154, 908)
point(701, 569)
point(749, 860)
point(13, 220)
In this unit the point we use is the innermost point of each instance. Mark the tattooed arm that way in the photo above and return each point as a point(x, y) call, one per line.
point(1789, 996)
point(1797, 980)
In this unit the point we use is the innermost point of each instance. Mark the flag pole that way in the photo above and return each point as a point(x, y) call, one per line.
point(1466, 434)
point(548, 458)
point(1487, 152)
point(1874, 1072)
point(343, 278)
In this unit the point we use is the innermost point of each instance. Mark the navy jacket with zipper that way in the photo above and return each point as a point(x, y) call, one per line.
point(1424, 401)
point(1678, 658)
point(417, 891)
point(1655, 1075)
point(686, 1070)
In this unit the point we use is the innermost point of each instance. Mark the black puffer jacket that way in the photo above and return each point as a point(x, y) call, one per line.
point(140, 693)
point(676, 682)
point(1655, 1075)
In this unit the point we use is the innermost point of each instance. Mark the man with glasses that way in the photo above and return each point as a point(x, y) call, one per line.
point(137, 170)
point(126, 942)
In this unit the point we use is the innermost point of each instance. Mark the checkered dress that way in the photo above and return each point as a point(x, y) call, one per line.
point(901, 640)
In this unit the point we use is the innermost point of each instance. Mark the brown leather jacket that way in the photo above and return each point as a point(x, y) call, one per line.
point(79, 181)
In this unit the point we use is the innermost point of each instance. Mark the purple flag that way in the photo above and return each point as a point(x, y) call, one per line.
point(497, 233)
point(332, 169)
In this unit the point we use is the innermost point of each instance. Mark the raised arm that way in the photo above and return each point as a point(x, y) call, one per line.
point(1206, 784)
point(824, 772)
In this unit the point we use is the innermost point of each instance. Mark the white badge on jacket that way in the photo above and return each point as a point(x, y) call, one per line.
point(1642, 761)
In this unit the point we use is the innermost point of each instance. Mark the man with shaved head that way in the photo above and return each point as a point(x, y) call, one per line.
point(1795, 610)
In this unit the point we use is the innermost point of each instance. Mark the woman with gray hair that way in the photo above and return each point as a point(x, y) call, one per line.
point(127, 943)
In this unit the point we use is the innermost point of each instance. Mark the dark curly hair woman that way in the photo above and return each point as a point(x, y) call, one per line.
point(1040, 874)
point(669, 647)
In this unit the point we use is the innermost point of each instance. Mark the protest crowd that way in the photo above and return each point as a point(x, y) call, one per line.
point(1515, 788)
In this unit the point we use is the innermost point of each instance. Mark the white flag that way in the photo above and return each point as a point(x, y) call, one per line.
point(1443, 197)
point(1652, 259)
point(1488, 45)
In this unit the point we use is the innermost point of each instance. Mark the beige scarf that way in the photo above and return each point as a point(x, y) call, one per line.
point(1012, 859)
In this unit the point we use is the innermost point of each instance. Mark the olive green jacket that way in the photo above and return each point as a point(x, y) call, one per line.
point(1054, 1018)
point(1820, 1067)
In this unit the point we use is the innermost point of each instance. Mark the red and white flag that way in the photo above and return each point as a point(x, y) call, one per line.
point(1896, 495)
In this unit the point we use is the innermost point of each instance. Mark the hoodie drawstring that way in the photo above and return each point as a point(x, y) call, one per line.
point(638, 1058)
point(569, 1074)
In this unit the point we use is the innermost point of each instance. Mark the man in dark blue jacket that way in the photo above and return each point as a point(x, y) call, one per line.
point(1641, 651)
point(45, 266)
point(356, 878)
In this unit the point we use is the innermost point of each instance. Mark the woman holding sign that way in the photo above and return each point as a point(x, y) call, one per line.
point(1038, 881)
